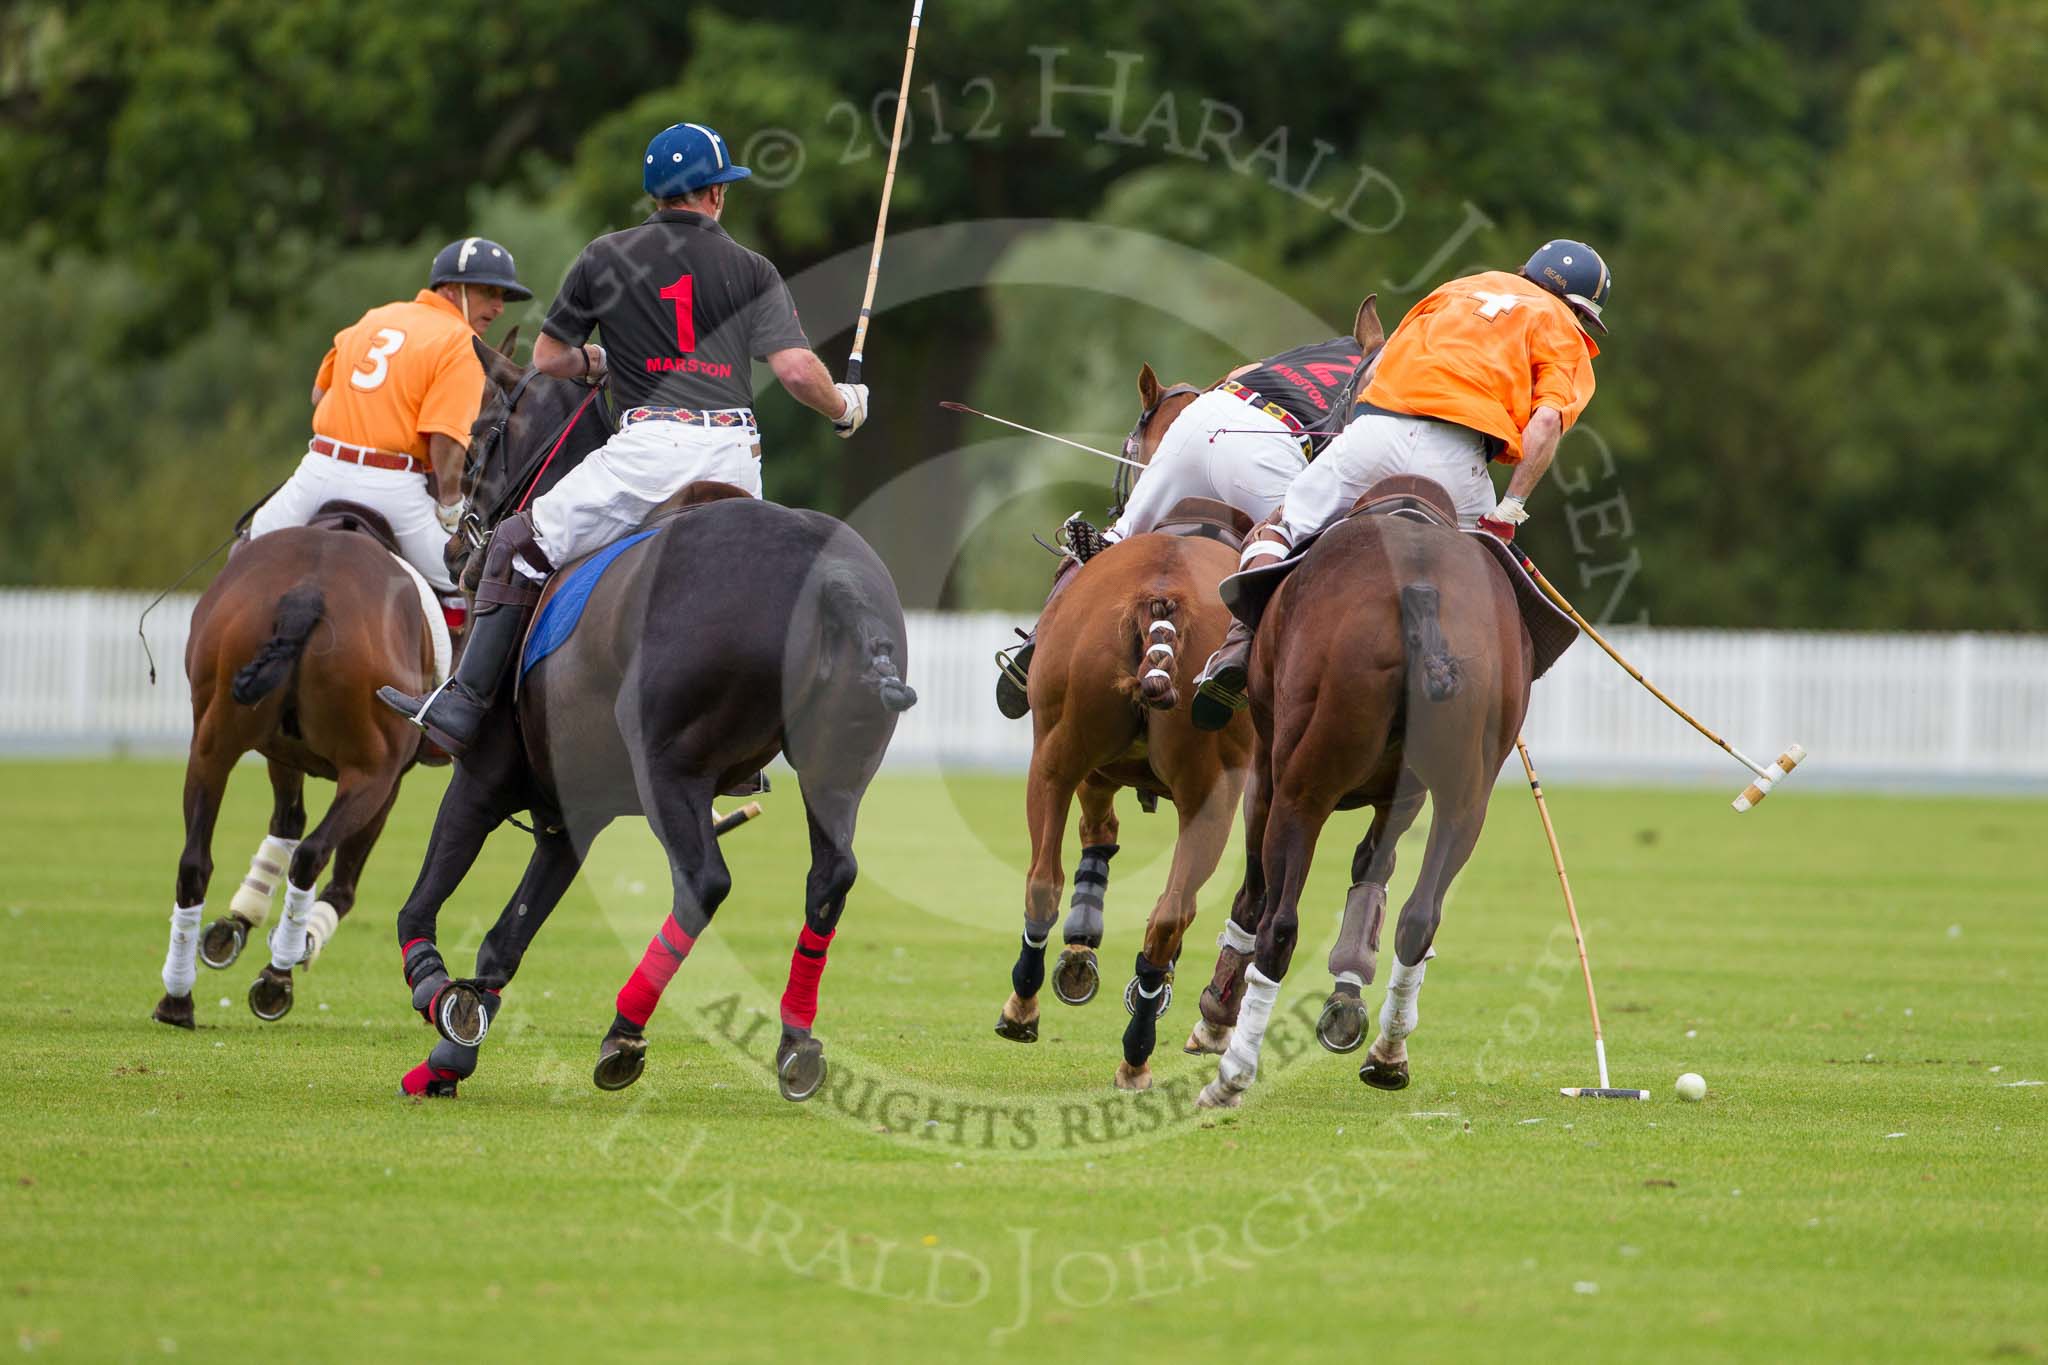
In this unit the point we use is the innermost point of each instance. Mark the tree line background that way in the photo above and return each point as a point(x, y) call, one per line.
point(1821, 405)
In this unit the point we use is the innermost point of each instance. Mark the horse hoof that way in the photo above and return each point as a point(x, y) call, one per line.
point(801, 1071)
point(1217, 1095)
point(1158, 1009)
point(175, 1010)
point(1341, 1028)
point(1206, 1040)
point(1130, 1077)
point(1076, 980)
point(1384, 1075)
point(270, 994)
point(619, 1062)
point(222, 942)
point(1017, 1030)
point(459, 1014)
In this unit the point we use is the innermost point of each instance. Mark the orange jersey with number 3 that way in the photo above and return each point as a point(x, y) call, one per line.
point(1485, 352)
point(404, 372)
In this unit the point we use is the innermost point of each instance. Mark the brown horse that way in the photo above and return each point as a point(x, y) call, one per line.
point(1116, 647)
point(1392, 662)
point(287, 650)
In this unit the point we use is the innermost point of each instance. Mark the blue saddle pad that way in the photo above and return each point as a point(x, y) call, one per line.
point(560, 613)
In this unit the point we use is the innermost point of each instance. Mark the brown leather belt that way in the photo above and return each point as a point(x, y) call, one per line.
point(1271, 409)
point(366, 455)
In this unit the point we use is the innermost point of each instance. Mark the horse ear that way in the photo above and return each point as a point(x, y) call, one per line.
point(1365, 328)
point(1148, 387)
point(497, 369)
point(510, 344)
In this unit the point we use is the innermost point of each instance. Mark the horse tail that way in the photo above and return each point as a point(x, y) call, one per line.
point(298, 611)
point(1152, 628)
point(874, 638)
point(1430, 661)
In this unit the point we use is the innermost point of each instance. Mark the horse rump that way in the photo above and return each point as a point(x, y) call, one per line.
point(298, 611)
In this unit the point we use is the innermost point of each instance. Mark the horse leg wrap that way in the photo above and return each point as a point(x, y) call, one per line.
point(1156, 686)
point(448, 1062)
point(1029, 974)
point(320, 926)
point(1141, 1034)
point(1399, 1016)
point(806, 967)
point(665, 953)
point(425, 973)
point(288, 940)
point(1356, 954)
point(1091, 884)
point(266, 870)
point(181, 960)
point(1239, 1065)
point(1236, 937)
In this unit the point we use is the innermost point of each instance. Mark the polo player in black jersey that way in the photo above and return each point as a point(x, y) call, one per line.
point(683, 310)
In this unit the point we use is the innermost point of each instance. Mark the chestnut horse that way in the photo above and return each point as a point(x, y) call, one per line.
point(1392, 662)
point(287, 650)
point(1116, 648)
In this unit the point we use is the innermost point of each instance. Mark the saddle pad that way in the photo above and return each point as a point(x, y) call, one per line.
point(564, 607)
point(437, 623)
point(1551, 632)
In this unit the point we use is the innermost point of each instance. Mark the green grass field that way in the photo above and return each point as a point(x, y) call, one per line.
point(1861, 980)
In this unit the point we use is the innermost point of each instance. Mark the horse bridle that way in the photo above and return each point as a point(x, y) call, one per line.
point(476, 526)
point(1134, 444)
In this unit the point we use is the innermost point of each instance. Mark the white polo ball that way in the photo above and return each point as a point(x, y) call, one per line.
point(1691, 1086)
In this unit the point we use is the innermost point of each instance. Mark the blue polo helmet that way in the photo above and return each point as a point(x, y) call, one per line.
point(685, 157)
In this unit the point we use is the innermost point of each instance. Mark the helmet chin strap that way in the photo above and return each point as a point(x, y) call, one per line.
point(465, 306)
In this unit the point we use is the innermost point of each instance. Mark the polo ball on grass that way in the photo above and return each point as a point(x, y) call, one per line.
point(1691, 1086)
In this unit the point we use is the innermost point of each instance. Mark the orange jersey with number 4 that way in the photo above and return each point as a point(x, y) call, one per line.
point(1485, 352)
point(404, 372)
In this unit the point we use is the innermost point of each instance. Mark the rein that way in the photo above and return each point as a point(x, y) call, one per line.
point(553, 450)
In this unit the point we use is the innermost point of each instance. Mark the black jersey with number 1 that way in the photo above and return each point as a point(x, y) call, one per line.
point(681, 309)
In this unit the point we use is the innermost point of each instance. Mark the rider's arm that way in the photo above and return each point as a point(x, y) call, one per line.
point(1539, 448)
point(563, 361)
point(318, 394)
point(446, 454)
point(799, 370)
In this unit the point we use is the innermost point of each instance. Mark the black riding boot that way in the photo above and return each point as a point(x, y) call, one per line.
point(453, 716)
point(1219, 692)
point(1014, 665)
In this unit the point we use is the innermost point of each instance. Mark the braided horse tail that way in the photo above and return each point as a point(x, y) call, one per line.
point(1152, 627)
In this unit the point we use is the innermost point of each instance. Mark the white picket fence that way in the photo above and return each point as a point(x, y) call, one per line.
point(1953, 710)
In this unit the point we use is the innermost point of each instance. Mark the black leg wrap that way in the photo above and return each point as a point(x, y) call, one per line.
point(1141, 1035)
point(1029, 974)
point(1091, 885)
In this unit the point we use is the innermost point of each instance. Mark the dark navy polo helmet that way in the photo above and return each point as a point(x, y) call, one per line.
point(1575, 273)
point(685, 157)
point(478, 260)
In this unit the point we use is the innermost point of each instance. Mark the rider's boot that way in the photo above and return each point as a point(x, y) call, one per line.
point(1015, 664)
point(1220, 688)
point(453, 715)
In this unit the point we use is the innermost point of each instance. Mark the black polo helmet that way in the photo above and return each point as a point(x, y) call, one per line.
point(1575, 273)
point(478, 260)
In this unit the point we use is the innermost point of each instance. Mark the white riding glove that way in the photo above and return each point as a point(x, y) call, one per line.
point(848, 422)
point(449, 514)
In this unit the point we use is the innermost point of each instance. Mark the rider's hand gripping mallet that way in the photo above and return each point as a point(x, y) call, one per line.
point(867, 303)
point(1582, 1092)
point(1766, 778)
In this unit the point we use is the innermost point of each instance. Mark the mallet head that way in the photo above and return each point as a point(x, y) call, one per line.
point(1771, 776)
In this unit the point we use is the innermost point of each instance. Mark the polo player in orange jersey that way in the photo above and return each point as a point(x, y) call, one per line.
point(1491, 367)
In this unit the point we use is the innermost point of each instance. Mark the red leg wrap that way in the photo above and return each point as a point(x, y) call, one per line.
point(642, 991)
point(416, 1080)
point(806, 966)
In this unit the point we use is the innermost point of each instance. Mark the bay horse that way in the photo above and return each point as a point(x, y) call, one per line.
point(287, 649)
point(1114, 648)
point(738, 630)
point(1391, 663)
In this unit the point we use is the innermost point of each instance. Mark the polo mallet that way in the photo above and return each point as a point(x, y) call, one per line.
point(733, 819)
point(1766, 778)
point(1034, 431)
point(1580, 1092)
point(867, 303)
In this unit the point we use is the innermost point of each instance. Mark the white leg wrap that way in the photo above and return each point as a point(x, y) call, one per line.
point(266, 870)
point(1234, 937)
point(1239, 1066)
point(288, 940)
point(320, 927)
point(181, 962)
point(1399, 1016)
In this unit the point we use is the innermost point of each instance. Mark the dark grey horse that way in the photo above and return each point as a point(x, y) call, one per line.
point(741, 630)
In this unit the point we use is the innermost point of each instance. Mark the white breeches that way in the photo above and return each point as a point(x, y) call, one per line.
point(610, 494)
point(1219, 447)
point(1377, 445)
point(400, 496)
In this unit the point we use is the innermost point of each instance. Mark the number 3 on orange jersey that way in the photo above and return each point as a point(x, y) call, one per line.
point(389, 340)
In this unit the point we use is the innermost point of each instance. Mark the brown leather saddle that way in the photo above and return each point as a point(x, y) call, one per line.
point(339, 514)
point(1209, 518)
